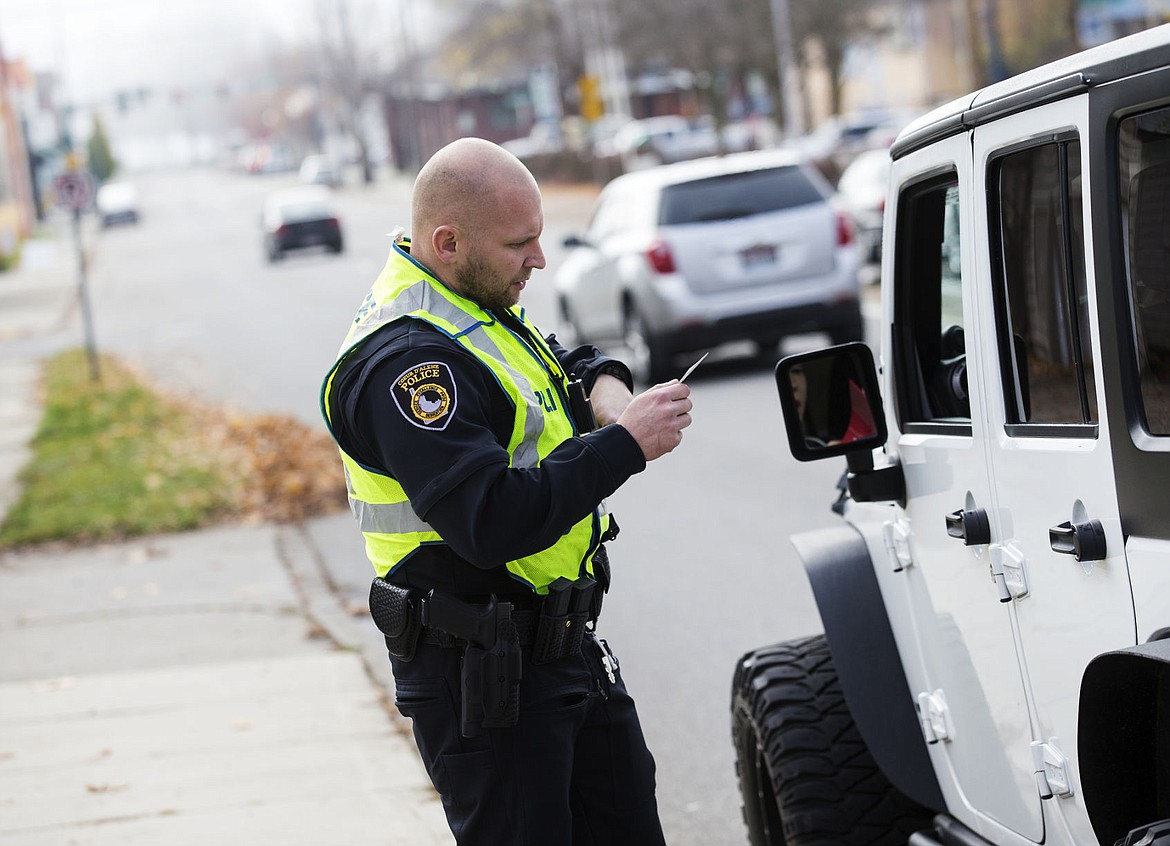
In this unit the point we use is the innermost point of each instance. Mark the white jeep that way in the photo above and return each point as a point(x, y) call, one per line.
point(995, 666)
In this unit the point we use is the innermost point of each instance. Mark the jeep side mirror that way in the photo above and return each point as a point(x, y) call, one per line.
point(832, 403)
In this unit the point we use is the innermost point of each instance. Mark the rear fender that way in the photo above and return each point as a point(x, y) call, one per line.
point(1123, 738)
point(866, 656)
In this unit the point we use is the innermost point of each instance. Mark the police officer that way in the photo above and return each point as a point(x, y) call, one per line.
point(480, 495)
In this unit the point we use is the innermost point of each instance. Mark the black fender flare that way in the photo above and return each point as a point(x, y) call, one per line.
point(865, 654)
point(1123, 737)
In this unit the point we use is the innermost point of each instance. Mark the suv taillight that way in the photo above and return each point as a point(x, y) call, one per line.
point(661, 258)
point(844, 230)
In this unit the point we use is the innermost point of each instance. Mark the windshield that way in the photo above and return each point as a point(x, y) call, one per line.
point(737, 195)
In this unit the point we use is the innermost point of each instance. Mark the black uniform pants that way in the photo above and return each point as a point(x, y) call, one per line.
point(575, 771)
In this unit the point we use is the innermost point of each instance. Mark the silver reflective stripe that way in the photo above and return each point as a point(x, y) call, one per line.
point(527, 452)
point(387, 518)
point(421, 297)
point(409, 300)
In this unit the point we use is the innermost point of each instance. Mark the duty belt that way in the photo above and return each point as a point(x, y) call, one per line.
point(526, 624)
point(552, 630)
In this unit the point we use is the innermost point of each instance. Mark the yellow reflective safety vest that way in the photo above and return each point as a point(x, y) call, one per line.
point(525, 368)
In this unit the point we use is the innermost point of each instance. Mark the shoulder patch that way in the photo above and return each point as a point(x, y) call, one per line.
point(425, 394)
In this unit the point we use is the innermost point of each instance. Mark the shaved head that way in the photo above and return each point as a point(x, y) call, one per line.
point(471, 200)
point(463, 184)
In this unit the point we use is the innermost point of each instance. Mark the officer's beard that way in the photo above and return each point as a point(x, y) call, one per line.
point(478, 282)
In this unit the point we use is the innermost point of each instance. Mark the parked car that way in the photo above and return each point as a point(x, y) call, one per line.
point(544, 138)
point(841, 138)
point(687, 256)
point(300, 218)
point(862, 192)
point(267, 157)
point(319, 169)
point(994, 668)
point(663, 140)
point(117, 202)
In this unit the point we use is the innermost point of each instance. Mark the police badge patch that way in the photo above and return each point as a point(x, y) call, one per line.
point(425, 395)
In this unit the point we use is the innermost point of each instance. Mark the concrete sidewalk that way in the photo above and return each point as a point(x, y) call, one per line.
point(222, 685)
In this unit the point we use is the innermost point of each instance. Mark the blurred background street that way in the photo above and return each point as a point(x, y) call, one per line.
point(189, 295)
point(168, 129)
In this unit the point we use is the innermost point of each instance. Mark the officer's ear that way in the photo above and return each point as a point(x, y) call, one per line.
point(446, 241)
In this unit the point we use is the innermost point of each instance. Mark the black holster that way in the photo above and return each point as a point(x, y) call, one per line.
point(490, 683)
point(492, 661)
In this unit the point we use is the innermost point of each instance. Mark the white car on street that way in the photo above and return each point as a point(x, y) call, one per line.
point(688, 256)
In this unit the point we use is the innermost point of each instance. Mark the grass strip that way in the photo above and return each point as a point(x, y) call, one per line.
point(114, 458)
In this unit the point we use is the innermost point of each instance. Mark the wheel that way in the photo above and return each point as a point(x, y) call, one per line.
point(648, 362)
point(569, 334)
point(805, 774)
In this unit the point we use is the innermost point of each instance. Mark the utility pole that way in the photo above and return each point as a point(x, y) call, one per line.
point(793, 124)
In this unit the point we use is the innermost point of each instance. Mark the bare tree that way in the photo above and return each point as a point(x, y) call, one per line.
point(730, 40)
point(719, 44)
point(502, 37)
point(833, 26)
point(352, 67)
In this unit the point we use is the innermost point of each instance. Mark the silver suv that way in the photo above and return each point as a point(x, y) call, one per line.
point(687, 256)
point(995, 663)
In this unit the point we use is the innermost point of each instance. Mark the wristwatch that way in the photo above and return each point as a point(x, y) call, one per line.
point(617, 370)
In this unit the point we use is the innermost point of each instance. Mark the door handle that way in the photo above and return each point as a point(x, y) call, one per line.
point(971, 527)
point(1083, 541)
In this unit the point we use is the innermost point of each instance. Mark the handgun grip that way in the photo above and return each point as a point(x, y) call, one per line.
point(462, 620)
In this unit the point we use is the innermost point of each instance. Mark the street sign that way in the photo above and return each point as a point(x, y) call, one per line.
point(74, 189)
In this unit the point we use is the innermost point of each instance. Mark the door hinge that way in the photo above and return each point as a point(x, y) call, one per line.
point(935, 717)
point(897, 537)
point(1051, 768)
point(1007, 569)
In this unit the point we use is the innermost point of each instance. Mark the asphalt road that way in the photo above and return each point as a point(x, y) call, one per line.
point(703, 568)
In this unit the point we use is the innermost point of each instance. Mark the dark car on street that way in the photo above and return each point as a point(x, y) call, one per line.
point(301, 218)
point(117, 202)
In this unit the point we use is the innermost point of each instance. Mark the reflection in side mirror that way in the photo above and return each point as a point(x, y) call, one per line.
point(831, 401)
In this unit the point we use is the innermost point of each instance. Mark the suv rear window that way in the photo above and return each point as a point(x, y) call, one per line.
point(1144, 154)
point(736, 195)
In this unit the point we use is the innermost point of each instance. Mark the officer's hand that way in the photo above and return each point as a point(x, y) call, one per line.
point(609, 399)
point(657, 417)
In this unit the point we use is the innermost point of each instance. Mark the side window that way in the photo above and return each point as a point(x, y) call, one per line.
point(929, 342)
point(1042, 309)
point(1144, 153)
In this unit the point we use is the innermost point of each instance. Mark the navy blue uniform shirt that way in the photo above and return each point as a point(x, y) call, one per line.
point(457, 477)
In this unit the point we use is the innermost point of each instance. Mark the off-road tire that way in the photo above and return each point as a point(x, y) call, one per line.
point(805, 774)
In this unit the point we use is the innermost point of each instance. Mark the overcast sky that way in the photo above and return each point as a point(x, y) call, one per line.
point(99, 46)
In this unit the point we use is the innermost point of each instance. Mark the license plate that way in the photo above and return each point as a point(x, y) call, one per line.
point(757, 255)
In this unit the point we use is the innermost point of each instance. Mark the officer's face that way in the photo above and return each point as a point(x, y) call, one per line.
point(503, 251)
point(799, 389)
